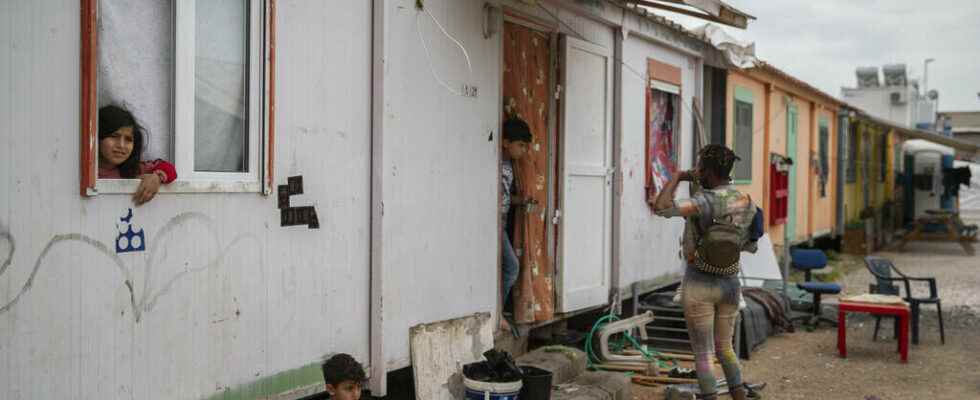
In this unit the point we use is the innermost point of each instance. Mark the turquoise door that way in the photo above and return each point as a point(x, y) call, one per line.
point(792, 124)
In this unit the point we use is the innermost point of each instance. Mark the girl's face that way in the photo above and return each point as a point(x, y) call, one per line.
point(117, 147)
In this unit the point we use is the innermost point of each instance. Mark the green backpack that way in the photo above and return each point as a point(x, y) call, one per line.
point(719, 246)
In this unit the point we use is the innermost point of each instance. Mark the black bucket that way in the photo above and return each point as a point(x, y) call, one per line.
point(537, 384)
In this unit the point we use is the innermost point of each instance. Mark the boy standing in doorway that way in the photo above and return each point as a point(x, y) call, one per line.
point(516, 138)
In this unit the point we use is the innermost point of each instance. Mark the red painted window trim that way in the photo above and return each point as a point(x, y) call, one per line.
point(89, 106)
point(270, 79)
point(88, 93)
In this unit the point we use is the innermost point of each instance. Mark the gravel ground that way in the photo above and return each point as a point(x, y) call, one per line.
point(805, 365)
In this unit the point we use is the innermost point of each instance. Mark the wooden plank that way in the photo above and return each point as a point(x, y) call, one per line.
point(440, 350)
point(640, 379)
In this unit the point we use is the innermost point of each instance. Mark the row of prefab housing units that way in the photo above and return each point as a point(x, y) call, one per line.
point(395, 132)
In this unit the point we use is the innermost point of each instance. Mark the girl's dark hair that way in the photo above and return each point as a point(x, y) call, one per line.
point(343, 368)
point(113, 117)
point(516, 130)
point(718, 159)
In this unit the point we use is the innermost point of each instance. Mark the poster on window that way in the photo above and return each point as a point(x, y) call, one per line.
point(662, 112)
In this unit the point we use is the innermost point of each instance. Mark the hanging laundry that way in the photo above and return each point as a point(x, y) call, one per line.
point(953, 178)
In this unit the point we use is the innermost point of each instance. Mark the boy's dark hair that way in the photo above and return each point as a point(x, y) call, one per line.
point(343, 368)
point(113, 117)
point(718, 159)
point(516, 130)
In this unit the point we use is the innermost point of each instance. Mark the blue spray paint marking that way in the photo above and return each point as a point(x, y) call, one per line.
point(129, 241)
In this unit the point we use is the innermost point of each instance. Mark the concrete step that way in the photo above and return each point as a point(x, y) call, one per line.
point(571, 381)
point(595, 385)
point(565, 363)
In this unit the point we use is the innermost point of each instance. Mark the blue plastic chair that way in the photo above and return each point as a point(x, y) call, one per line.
point(807, 261)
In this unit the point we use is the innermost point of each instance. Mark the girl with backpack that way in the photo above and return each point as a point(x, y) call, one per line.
point(718, 218)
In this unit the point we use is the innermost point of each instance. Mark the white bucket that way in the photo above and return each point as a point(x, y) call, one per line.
point(476, 390)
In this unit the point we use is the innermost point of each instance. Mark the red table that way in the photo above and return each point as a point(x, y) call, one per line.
point(901, 311)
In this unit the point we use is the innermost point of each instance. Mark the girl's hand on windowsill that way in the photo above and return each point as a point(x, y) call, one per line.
point(148, 188)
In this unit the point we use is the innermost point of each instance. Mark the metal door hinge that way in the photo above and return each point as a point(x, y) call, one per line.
point(558, 92)
point(556, 218)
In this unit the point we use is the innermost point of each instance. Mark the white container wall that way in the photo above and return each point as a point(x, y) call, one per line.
point(402, 171)
point(223, 301)
point(437, 170)
point(650, 245)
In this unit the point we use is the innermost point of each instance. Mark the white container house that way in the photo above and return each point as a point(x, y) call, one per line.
point(393, 127)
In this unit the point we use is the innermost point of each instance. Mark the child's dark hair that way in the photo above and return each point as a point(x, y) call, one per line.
point(516, 130)
point(343, 368)
point(113, 117)
point(718, 159)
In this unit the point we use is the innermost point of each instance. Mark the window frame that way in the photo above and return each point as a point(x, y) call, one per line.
point(674, 94)
point(743, 95)
point(666, 78)
point(260, 105)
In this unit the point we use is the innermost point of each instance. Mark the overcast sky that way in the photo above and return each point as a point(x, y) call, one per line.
point(823, 41)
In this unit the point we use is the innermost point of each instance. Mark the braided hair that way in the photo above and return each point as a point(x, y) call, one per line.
point(718, 159)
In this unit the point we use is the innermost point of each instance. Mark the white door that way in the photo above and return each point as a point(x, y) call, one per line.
point(586, 184)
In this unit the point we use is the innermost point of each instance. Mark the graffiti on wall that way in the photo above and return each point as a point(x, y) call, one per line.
point(290, 215)
point(128, 240)
point(144, 299)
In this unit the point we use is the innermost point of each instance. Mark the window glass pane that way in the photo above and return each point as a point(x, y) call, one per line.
point(743, 140)
point(220, 129)
point(136, 66)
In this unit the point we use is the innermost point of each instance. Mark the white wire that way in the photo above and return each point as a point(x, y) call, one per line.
point(469, 66)
point(428, 56)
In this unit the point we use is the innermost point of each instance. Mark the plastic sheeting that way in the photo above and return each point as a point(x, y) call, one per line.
point(738, 53)
point(761, 266)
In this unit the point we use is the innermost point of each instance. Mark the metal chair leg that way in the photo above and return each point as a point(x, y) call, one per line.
point(942, 333)
point(877, 325)
point(915, 322)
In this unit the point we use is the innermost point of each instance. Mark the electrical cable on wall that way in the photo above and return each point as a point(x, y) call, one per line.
point(643, 77)
point(428, 56)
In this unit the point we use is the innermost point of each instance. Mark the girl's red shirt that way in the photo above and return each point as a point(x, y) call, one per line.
point(169, 173)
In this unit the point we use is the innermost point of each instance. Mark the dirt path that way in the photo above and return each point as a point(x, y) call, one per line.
point(805, 365)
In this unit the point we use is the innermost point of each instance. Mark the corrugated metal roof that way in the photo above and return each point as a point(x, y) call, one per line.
point(963, 118)
point(643, 12)
point(766, 67)
point(919, 134)
point(710, 10)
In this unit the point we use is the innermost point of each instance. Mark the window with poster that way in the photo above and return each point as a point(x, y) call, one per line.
point(662, 126)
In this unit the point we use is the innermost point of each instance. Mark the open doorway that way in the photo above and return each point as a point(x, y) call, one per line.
point(528, 81)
